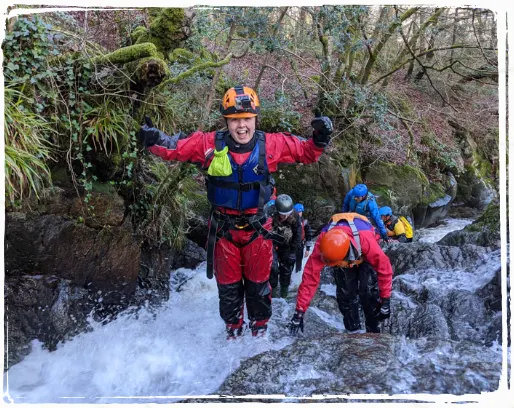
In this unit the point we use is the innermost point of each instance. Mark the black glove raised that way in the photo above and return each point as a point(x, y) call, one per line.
point(296, 323)
point(148, 135)
point(323, 128)
point(383, 310)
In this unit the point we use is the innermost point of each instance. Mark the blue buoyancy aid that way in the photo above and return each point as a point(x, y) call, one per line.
point(249, 184)
point(362, 207)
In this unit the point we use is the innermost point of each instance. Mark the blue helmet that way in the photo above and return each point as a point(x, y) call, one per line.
point(360, 190)
point(385, 211)
point(299, 207)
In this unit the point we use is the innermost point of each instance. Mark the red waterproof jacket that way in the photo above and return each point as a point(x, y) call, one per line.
point(280, 148)
point(372, 254)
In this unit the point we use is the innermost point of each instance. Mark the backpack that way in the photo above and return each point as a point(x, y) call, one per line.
point(409, 231)
point(355, 256)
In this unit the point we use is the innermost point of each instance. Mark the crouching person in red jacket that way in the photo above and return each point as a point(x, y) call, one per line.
point(362, 271)
point(238, 163)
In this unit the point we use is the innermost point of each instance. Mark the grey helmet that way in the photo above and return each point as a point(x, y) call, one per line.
point(284, 204)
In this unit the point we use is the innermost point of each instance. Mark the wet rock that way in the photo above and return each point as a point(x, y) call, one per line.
point(41, 307)
point(484, 231)
point(466, 315)
point(190, 256)
point(58, 271)
point(366, 363)
point(104, 260)
point(475, 185)
point(428, 321)
point(417, 255)
point(198, 230)
point(493, 333)
point(102, 209)
point(158, 262)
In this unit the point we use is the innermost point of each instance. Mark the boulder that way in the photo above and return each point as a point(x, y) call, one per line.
point(105, 261)
point(319, 186)
point(407, 191)
point(476, 187)
point(422, 256)
point(342, 364)
point(485, 231)
point(44, 307)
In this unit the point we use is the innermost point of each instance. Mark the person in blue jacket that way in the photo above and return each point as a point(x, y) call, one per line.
point(363, 202)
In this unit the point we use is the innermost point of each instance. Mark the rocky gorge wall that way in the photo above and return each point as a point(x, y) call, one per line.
point(60, 271)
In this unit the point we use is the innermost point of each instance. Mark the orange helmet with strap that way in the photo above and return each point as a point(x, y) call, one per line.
point(336, 247)
point(240, 102)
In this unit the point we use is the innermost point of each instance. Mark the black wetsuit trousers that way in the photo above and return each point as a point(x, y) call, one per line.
point(281, 269)
point(357, 285)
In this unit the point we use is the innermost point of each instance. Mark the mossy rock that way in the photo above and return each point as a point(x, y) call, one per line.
point(151, 70)
point(318, 186)
point(475, 186)
point(489, 220)
point(485, 231)
point(183, 56)
point(137, 33)
point(166, 28)
point(127, 54)
point(401, 187)
point(345, 148)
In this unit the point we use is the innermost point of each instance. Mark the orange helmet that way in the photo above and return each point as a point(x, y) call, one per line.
point(334, 247)
point(240, 102)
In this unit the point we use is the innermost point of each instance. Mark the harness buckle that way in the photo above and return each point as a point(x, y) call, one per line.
point(241, 222)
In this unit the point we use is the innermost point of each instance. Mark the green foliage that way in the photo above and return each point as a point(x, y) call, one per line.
point(27, 147)
point(441, 157)
point(279, 115)
point(26, 51)
point(106, 127)
point(181, 106)
point(166, 205)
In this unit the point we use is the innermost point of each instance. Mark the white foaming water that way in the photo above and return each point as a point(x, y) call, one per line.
point(431, 235)
point(180, 350)
point(177, 350)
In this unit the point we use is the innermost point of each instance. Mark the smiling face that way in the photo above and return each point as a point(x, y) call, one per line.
point(241, 129)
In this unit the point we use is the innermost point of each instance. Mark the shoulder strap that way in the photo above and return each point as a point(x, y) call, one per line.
point(349, 217)
point(369, 197)
point(261, 140)
point(262, 168)
point(219, 138)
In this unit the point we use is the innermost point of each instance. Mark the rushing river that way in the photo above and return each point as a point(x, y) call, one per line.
point(155, 354)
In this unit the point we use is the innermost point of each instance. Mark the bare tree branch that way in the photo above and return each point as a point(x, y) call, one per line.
point(424, 68)
point(478, 41)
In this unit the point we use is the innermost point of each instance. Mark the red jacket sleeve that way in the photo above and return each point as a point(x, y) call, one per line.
point(379, 261)
point(287, 148)
point(194, 148)
point(310, 278)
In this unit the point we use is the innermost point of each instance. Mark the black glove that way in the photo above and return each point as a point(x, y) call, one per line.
point(148, 135)
point(323, 128)
point(292, 258)
point(296, 323)
point(383, 310)
point(384, 236)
